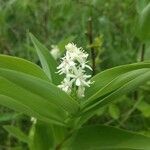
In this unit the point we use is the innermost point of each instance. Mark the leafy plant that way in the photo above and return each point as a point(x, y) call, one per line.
point(29, 89)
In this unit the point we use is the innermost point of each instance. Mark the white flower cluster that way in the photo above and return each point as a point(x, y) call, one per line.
point(73, 65)
point(55, 52)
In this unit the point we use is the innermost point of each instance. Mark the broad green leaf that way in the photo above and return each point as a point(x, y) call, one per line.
point(144, 23)
point(16, 105)
point(129, 86)
point(29, 110)
point(115, 84)
point(105, 77)
point(16, 132)
point(104, 100)
point(22, 65)
point(48, 63)
point(19, 99)
point(45, 90)
point(100, 137)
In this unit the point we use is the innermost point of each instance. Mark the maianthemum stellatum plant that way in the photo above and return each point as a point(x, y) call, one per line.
point(62, 97)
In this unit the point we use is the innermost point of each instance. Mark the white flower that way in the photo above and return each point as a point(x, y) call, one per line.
point(71, 47)
point(72, 65)
point(80, 77)
point(66, 85)
point(55, 52)
point(65, 65)
point(76, 53)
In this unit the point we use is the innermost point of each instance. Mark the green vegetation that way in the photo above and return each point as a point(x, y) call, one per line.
point(115, 112)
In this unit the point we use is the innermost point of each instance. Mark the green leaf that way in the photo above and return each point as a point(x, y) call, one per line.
point(144, 23)
point(48, 63)
point(115, 84)
point(105, 77)
point(22, 65)
point(43, 89)
point(100, 137)
point(114, 111)
point(16, 132)
point(128, 86)
point(28, 103)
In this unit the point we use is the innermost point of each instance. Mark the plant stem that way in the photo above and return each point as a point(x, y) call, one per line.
point(90, 36)
point(142, 52)
point(135, 95)
point(125, 118)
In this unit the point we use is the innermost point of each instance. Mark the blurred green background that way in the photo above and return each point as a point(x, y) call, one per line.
point(113, 27)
